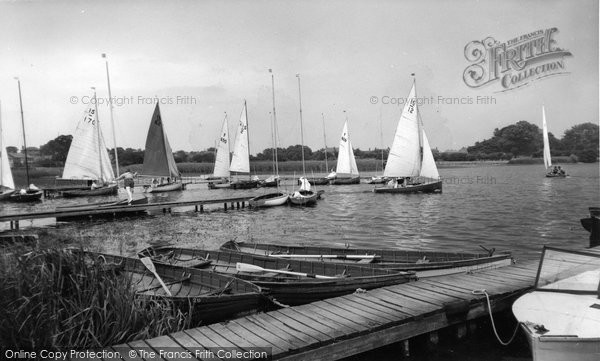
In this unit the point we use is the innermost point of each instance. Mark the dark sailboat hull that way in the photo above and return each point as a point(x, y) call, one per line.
point(304, 198)
point(342, 181)
point(291, 290)
point(30, 196)
point(430, 187)
point(103, 191)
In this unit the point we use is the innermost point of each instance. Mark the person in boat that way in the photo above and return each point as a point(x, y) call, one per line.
point(561, 171)
point(94, 185)
point(555, 170)
point(393, 183)
point(154, 183)
point(128, 183)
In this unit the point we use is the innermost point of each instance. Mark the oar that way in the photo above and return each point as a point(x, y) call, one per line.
point(150, 266)
point(245, 267)
point(336, 256)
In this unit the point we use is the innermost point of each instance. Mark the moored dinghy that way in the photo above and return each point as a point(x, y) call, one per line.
point(425, 263)
point(291, 282)
point(304, 196)
point(410, 164)
point(88, 158)
point(159, 162)
point(213, 296)
point(561, 316)
point(346, 171)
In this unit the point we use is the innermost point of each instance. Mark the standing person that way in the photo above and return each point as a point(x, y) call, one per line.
point(128, 183)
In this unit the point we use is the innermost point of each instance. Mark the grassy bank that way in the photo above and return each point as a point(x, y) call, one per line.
point(56, 300)
point(529, 160)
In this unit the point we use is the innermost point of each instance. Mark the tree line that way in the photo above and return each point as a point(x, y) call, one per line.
point(522, 139)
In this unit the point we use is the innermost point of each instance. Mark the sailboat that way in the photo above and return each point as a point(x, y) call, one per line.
point(31, 193)
point(410, 155)
point(240, 161)
point(346, 171)
point(304, 196)
point(159, 162)
point(274, 198)
point(221, 169)
point(561, 316)
point(557, 172)
point(88, 157)
point(322, 180)
point(7, 184)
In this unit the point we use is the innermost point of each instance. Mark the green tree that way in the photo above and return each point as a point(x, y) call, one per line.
point(582, 140)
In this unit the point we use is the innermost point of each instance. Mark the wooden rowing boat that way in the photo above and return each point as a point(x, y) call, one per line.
point(213, 296)
point(424, 263)
point(30, 195)
point(102, 191)
point(340, 279)
point(269, 200)
point(169, 187)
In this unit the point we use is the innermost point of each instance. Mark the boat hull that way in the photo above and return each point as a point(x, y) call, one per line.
point(212, 296)
point(101, 210)
point(304, 198)
point(103, 191)
point(342, 181)
point(30, 196)
point(316, 181)
point(377, 180)
point(290, 290)
point(560, 348)
point(165, 188)
point(430, 187)
point(552, 175)
point(4, 196)
point(269, 200)
point(424, 263)
point(267, 184)
point(240, 184)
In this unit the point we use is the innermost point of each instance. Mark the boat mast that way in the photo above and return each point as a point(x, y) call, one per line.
point(274, 127)
point(112, 120)
point(301, 126)
point(98, 135)
point(381, 139)
point(247, 137)
point(23, 126)
point(419, 122)
point(325, 142)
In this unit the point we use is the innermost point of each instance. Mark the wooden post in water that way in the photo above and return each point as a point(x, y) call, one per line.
point(461, 331)
point(405, 348)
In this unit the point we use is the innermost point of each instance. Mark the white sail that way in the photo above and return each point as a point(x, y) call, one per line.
point(428, 167)
point(547, 157)
point(240, 162)
point(346, 164)
point(6, 179)
point(222, 158)
point(404, 159)
point(88, 157)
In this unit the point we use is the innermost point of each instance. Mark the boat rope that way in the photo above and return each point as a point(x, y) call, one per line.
point(277, 303)
point(484, 292)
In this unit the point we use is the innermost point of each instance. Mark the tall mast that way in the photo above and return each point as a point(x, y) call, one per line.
point(301, 126)
point(325, 142)
point(97, 120)
point(381, 138)
point(274, 123)
point(23, 126)
point(112, 120)
point(247, 137)
point(419, 125)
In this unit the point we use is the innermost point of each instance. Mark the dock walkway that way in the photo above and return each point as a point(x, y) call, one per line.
point(166, 207)
point(344, 326)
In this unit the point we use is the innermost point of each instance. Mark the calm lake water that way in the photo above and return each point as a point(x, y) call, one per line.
point(507, 207)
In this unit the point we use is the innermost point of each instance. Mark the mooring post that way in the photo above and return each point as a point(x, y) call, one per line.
point(17, 224)
point(405, 348)
point(243, 204)
point(232, 205)
point(196, 208)
point(237, 205)
point(225, 205)
point(201, 208)
point(433, 340)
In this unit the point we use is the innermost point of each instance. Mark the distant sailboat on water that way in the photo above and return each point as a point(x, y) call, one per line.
point(346, 171)
point(410, 164)
point(221, 169)
point(557, 171)
point(159, 162)
point(88, 158)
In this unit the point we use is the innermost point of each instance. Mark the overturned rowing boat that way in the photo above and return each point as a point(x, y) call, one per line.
point(424, 263)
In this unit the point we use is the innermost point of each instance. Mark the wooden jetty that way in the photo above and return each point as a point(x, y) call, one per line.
point(166, 207)
point(344, 326)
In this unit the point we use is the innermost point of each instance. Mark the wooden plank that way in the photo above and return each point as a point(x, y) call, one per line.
point(409, 309)
point(167, 345)
point(376, 319)
point(280, 327)
point(219, 341)
point(259, 338)
point(363, 343)
point(243, 342)
point(389, 312)
point(124, 349)
point(443, 295)
point(392, 306)
point(291, 336)
point(445, 286)
point(192, 345)
point(356, 324)
point(143, 349)
point(416, 296)
point(315, 331)
point(419, 305)
point(315, 322)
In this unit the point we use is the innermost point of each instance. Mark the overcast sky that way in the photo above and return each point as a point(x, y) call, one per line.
point(215, 54)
